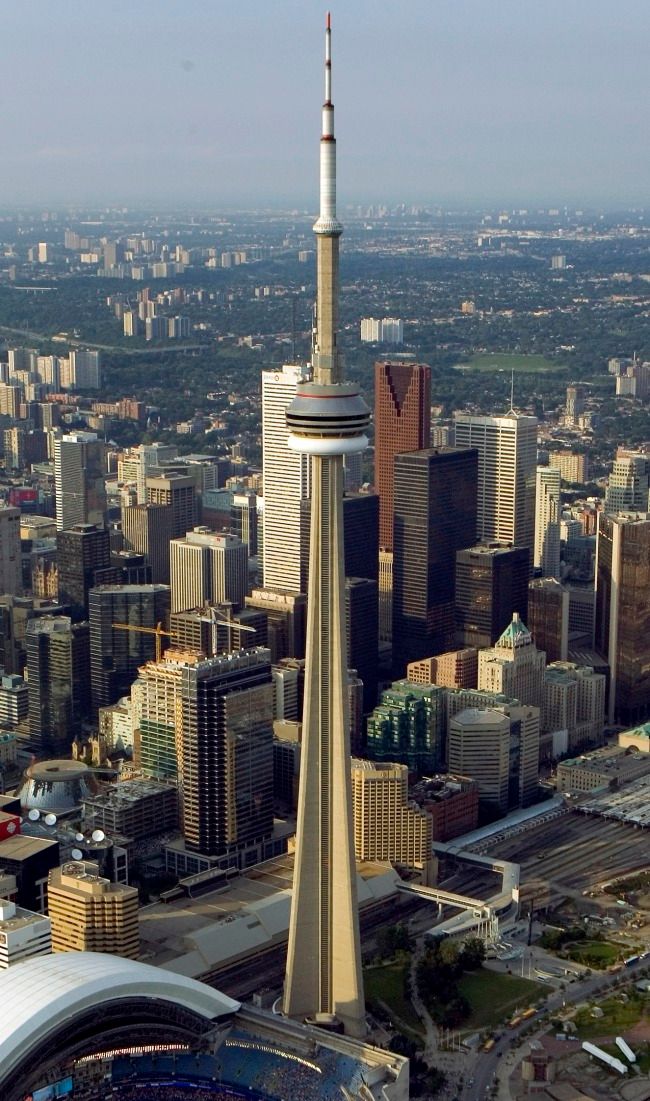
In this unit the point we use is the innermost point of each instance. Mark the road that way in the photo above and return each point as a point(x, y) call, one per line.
point(73, 342)
point(485, 1066)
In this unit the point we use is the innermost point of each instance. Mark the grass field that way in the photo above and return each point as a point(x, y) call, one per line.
point(385, 983)
point(618, 1017)
point(494, 996)
point(595, 953)
point(490, 362)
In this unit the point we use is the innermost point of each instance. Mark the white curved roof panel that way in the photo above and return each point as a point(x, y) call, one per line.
point(45, 992)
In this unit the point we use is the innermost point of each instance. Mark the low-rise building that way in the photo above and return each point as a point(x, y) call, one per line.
point(609, 767)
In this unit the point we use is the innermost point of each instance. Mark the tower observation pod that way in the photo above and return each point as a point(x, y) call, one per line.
point(327, 419)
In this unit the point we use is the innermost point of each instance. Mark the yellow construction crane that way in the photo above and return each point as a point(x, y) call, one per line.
point(157, 631)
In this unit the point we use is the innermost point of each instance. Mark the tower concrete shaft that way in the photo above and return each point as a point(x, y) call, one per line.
point(327, 419)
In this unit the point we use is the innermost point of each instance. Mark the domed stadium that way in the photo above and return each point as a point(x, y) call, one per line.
point(88, 1026)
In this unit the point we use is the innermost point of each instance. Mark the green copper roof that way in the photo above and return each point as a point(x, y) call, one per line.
point(515, 634)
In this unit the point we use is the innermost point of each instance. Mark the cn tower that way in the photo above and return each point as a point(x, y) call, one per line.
point(327, 420)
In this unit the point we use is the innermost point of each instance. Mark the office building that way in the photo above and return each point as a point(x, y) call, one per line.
point(623, 612)
point(455, 669)
point(498, 748)
point(548, 617)
point(58, 670)
point(507, 450)
point(491, 584)
point(207, 568)
point(327, 419)
point(148, 529)
point(387, 825)
point(286, 619)
point(177, 491)
point(91, 914)
point(286, 480)
point(84, 560)
point(573, 707)
point(452, 803)
point(244, 520)
point(14, 699)
point(362, 628)
point(547, 522)
point(628, 484)
point(22, 934)
point(402, 423)
point(361, 535)
point(123, 623)
point(408, 726)
point(434, 518)
point(218, 629)
point(11, 581)
point(513, 666)
point(79, 485)
point(288, 689)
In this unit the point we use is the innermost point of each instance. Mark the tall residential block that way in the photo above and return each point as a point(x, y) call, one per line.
point(507, 449)
point(207, 568)
point(434, 518)
point(622, 633)
point(327, 419)
point(79, 480)
point(90, 914)
point(547, 522)
point(491, 584)
point(286, 482)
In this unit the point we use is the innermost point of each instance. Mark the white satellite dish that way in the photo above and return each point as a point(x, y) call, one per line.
point(79, 837)
point(34, 815)
point(50, 819)
point(98, 835)
point(77, 854)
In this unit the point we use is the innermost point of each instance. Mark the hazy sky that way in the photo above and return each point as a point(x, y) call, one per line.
point(217, 101)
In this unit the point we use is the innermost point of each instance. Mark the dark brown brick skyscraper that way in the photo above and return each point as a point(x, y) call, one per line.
point(402, 423)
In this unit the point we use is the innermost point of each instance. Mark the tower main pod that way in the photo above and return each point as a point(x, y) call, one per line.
point(326, 420)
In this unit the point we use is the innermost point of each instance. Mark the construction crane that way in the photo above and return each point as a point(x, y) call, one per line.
point(218, 618)
point(157, 631)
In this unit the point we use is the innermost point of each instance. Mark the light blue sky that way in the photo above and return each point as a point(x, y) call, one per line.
point(449, 101)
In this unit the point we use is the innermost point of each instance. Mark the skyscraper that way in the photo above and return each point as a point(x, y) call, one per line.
point(623, 612)
point(435, 516)
point(79, 468)
point(547, 521)
point(286, 478)
point(628, 484)
point(116, 653)
point(207, 568)
point(179, 491)
point(507, 454)
point(326, 419)
point(58, 668)
point(84, 560)
point(491, 584)
point(548, 617)
point(402, 423)
point(10, 558)
point(513, 666)
point(148, 530)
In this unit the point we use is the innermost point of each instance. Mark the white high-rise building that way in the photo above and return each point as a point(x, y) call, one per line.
point(547, 521)
point(629, 483)
point(79, 480)
point(286, 479)
point(507, 457)
point(207, 568)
